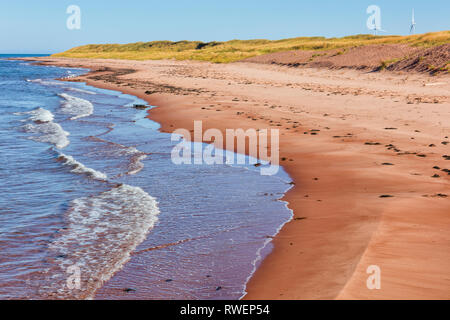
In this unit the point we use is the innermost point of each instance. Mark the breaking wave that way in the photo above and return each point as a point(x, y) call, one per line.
point(78, 167)
point(46, 82)
point(101, 229)
point(44, 128)
point(101, 233)
point(82, 91)
point(38, 114)
point(77, 107)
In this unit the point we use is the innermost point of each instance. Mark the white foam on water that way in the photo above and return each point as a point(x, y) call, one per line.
point(101, 233)
point(70, 76)
point(136, 164)
point(49, 132)
point(61, 83)
point(44, 128)
point(38, 114)
point(82, 91)
point(78, 167)
point(77, 107)
point(46, 82)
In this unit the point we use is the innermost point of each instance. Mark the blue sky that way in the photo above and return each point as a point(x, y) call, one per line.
point(40, 26)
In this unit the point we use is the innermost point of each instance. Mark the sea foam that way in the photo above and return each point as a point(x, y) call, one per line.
point(78, 167)
point(46, 82)
point(77, 107)
point(101, 233)
point(44, 128)
point(38, 114)
point(82, 91)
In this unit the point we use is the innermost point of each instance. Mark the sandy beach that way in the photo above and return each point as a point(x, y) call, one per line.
point(369, 154)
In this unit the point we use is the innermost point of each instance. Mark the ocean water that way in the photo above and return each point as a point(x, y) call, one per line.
point(91, 205)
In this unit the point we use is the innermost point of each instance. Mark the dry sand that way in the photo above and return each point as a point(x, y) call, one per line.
point(380, 134)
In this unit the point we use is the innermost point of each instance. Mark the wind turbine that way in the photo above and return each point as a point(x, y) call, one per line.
point(376, 29)
point(413, 24)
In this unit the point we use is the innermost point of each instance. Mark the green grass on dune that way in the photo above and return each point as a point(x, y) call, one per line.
point(235, 50)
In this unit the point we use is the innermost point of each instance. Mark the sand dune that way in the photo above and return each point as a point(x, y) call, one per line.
point(393, 57)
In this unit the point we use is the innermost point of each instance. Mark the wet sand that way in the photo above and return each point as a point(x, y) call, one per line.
point(366, 152)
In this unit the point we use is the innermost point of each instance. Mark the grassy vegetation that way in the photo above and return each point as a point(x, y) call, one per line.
point(387, 63)
point(235, 50)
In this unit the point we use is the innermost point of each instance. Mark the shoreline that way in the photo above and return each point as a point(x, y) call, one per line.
point(259, 255)
point(259, 258)
point(340, 223)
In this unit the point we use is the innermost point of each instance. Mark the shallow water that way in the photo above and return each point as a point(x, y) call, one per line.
point(87, 184)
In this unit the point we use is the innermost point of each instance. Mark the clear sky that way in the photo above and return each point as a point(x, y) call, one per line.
point(40, 26)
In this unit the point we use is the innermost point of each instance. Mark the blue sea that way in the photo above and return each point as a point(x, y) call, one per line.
point(92, 207)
